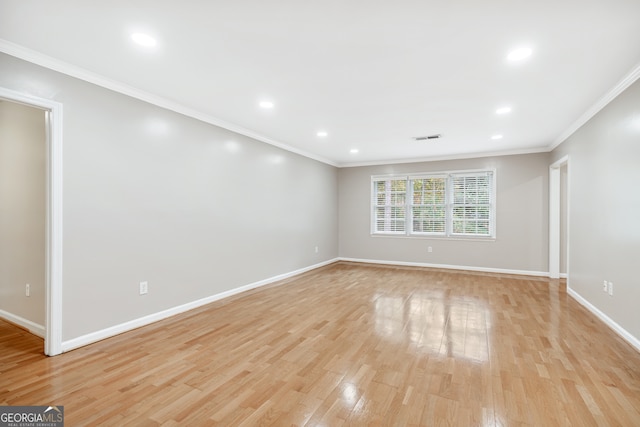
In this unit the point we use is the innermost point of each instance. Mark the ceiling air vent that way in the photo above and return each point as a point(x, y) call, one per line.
point(428, 137)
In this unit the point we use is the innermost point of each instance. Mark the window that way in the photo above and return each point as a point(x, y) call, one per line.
point(442, 204)
point(471, 204)
point(389, 209)
point(428, 207)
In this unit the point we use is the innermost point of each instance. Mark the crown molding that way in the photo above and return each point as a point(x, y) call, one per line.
point(54, 64)
point(532, 150)
point(622, 85)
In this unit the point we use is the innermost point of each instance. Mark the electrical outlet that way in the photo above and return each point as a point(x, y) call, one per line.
point(316, 249)
point(605, 286)
point(429, 249)
point(144, 288)
point(27, 290)
point(610, 288)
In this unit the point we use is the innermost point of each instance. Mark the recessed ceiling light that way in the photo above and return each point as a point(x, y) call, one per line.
point(503, 110)
point(143, 39)
point(322, 134)
point(496, 136)
point(266, 104)
point(354, 150)
point(519, 54)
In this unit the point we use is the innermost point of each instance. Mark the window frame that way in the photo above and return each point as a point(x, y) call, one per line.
point(449, 204)
point(375, 205)
point(410, 208)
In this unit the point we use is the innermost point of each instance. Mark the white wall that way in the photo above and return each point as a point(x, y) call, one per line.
point(22, 214)
point(521, 217)
point(604, 209)
point(151, 195)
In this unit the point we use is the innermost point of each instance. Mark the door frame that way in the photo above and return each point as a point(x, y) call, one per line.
point(555, 201)
point(53, 233)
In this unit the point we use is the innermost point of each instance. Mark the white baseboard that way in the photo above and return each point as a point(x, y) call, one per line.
point(450, 267)
point(635, 342)
point(146, 320)
point(30, 326)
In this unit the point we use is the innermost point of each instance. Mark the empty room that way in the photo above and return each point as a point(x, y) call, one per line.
point(320, 214)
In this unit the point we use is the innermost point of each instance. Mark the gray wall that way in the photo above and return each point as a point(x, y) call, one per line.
point(22, 211)
point(150, 195)
point(521, 217)
point(604, 208)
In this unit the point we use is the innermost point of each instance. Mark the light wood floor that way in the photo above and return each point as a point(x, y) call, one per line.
point(347, 344)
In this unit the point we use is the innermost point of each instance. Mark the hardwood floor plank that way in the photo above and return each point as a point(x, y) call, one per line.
point(347, 344)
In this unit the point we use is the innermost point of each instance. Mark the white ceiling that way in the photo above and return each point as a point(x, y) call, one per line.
point(373, 74)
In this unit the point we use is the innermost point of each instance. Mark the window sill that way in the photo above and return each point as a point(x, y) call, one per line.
point(425, 237)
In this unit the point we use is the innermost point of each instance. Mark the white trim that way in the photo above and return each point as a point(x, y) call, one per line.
point(560, 162)
point(554, 216)
point(624, 334)
point(622, 85)
point(155, 317)
point(514, 152)
point(435, 174)
point(53, 258)
point(37, 58)
point(34, 328)
point(554, 222)
point(425, 236)
point(55, 236)
point(449, 267)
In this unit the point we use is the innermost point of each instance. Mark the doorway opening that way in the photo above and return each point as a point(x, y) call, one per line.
point(53, 215)
point(559, 219)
